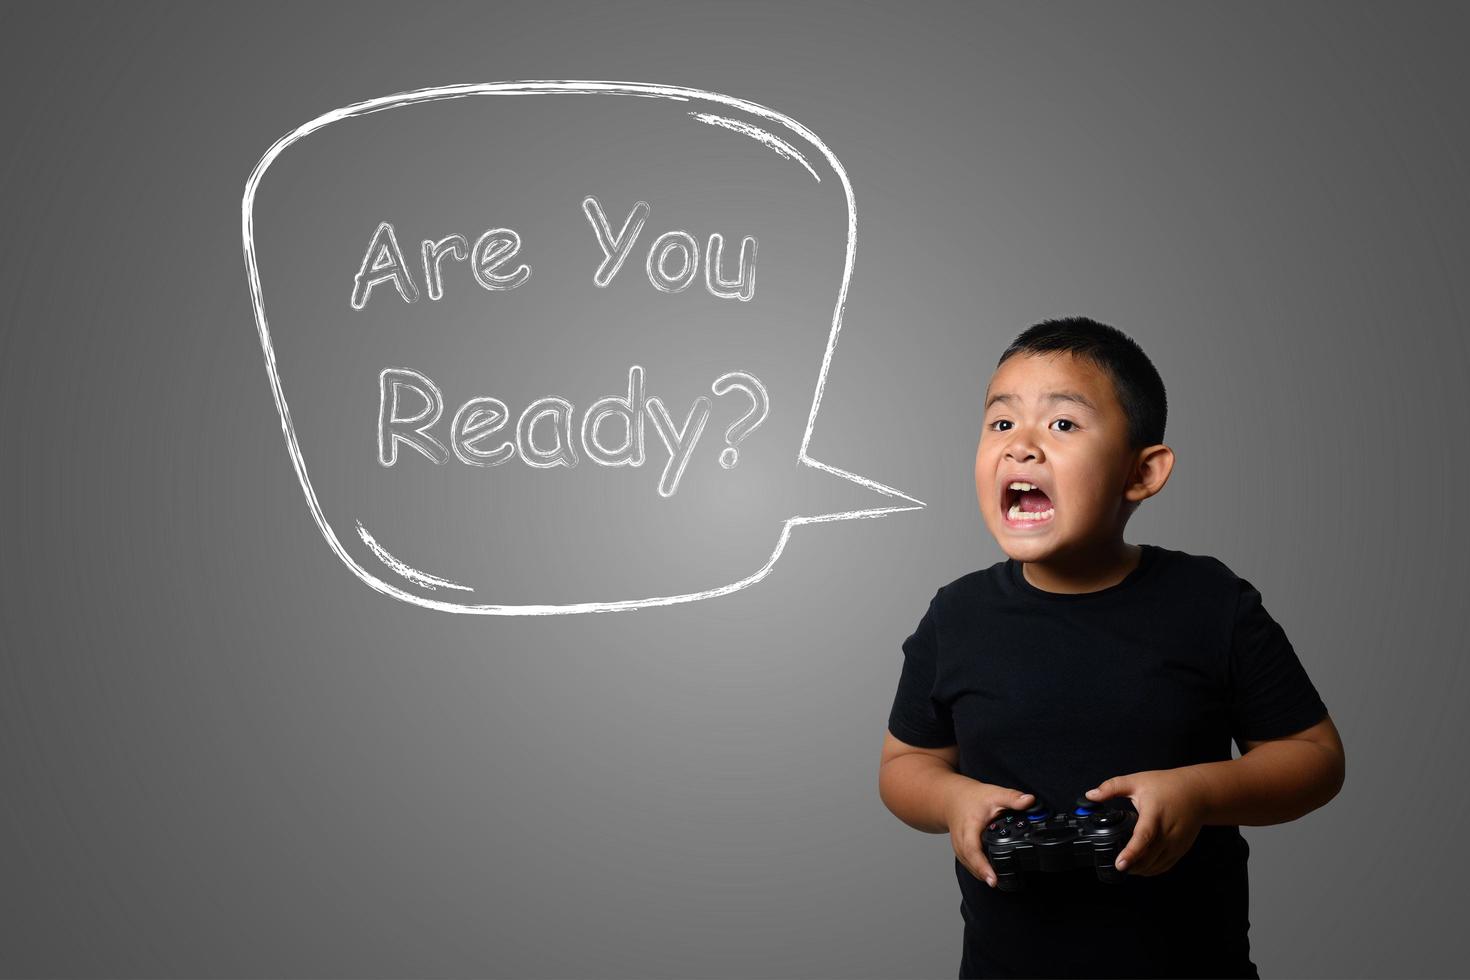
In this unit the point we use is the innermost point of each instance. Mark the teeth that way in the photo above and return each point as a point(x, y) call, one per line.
point(1017, 514)
point(1022, 485)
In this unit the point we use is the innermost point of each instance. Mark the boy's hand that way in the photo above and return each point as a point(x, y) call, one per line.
point(1169, 814)
point(968, 809)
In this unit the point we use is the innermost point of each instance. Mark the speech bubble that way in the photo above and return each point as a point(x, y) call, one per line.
point(549, 343)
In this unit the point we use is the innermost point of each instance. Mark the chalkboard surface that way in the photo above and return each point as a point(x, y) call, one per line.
point(468, 470)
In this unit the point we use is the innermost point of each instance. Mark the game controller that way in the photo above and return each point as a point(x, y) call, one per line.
point(1090, 835)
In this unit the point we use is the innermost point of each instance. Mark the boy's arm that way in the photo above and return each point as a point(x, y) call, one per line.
point(915, 783)
point(1275, 781)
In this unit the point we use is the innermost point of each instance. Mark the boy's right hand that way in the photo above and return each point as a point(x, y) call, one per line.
point(971, 807)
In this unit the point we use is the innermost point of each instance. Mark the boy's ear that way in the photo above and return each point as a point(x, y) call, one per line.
point(1151, 472)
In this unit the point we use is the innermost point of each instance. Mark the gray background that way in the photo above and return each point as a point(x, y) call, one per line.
point(223, 755)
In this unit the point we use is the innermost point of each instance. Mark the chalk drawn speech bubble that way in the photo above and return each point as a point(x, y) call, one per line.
point(438, 261)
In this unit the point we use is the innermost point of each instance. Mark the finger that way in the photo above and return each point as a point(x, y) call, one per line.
point(987, 870)
point(1156, 862)
point(967, 848)
point(981, 869)
point(1162, 853)
point(1163, 856)
point(987, 873)
point(1141, 863)
point(1144, 834)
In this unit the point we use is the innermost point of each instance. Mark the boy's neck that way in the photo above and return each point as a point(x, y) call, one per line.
point(1084, 573)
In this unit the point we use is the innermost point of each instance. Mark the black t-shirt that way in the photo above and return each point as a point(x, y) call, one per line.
point(1052, 693)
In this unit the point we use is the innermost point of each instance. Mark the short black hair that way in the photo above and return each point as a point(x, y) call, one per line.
point(1136, 382)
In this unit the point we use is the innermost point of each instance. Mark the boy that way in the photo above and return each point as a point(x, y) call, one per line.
point(1085, 666)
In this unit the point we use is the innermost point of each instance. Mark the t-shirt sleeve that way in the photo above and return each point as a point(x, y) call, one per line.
point(916, 718)
point(1271, 695)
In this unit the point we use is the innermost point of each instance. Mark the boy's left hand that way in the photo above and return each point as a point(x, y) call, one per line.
point(1169, 814)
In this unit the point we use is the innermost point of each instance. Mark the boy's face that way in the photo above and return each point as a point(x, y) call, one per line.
point(1077, 453)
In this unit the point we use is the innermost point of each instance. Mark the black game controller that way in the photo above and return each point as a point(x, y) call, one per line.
point(1090, 835)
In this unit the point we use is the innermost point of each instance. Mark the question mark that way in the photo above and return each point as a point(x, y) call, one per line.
point(751, 385)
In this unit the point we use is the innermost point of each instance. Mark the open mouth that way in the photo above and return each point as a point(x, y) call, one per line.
point(1023, 508)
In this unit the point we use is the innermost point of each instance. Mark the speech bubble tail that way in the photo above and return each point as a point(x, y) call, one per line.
point(828, 506)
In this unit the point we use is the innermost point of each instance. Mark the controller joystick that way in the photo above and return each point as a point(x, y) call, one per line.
point(1089, 835)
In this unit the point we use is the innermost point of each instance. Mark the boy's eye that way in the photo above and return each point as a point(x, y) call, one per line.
point(1069, 422)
